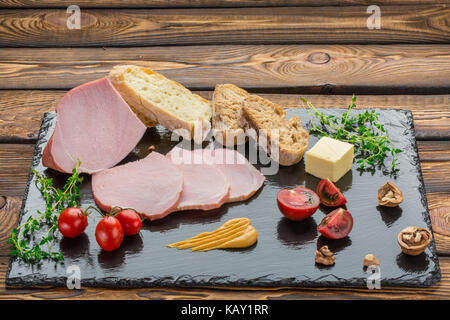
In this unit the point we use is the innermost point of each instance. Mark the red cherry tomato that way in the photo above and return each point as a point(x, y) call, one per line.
point(329, 194)
point(72, 222)
point(109, 233)
point(130, 221)
point(297, 204)
point(337, 224)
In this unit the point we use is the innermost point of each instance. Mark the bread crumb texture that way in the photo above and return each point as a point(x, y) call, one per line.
point(167, 94)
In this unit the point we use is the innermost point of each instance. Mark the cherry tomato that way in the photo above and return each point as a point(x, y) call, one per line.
point(72, 222)
point(297, 204)
point(329, 194)
point(109, 233)
point(130, 221)
point(337, 224)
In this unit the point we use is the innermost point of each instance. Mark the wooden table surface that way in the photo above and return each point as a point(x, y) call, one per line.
point(282, 49)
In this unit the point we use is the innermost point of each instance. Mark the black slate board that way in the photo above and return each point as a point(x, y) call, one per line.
point(284, 253)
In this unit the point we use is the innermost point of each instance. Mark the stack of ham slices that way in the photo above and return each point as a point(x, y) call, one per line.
point(158, 185)
point(97, 126)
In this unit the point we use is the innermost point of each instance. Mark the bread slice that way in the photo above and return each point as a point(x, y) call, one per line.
point(226, 104)
point(156, 99)
point(286, 137)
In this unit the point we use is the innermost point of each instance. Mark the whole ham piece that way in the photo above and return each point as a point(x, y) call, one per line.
point(94, 125)
point(205, 186)
point(152, 186)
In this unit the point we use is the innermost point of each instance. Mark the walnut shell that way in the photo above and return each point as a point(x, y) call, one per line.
point(413, 240)
point(389, 195)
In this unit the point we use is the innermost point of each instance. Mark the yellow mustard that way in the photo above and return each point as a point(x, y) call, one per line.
point(235, 233)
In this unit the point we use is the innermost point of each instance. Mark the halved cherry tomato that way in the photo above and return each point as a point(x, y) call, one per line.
point(109, 233)
point(337, 224)
point(329, 194)
point(72, 222)
point(130, 221)
point(297, 204)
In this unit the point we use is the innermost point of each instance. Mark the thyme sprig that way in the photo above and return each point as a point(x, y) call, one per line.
point(24, 242)
point(364, 130)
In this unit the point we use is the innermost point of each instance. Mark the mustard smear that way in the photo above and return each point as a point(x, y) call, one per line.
point(235, 233)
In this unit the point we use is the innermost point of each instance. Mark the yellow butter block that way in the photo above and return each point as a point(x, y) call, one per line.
point(329, 159)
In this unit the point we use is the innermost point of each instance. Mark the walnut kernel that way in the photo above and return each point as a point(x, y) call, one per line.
point(325, 256)
point(371, 260)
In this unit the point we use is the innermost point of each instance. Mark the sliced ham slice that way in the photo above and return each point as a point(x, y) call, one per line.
point(205, 186)
point(152, 186)
point(95, 125)
point(244, 178)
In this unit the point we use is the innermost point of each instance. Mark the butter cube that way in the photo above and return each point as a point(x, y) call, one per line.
point(329, 158)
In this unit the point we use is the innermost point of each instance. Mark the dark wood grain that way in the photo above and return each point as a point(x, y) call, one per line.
point(363, 69)
point(200, 3)
point(280, 25)
point(433, 173)
point(434, 150)
point(8, 220)
point(21, 110)
point(15, 162)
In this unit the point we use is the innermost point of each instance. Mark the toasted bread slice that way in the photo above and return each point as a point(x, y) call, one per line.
point(226, 104)
point(286, 137)
point(156, 99)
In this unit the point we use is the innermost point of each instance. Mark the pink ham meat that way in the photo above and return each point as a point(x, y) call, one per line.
point(244, 178)
point(95, 125)
point(152, 186)
point(205, 187)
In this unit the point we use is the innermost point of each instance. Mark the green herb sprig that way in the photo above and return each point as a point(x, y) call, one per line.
point(25, 245)
point(364, 130)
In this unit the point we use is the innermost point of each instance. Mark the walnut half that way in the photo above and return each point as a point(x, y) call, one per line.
point(413, 240)
point(325, 256)
point(389, 195)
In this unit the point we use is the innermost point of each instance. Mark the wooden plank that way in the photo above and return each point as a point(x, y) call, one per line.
point(15, 162)
point(8, 218)
point(278, 25)
point(21, 110)
point(201, 3)
point(361, 69)
point(436, 175)
point(434, 150)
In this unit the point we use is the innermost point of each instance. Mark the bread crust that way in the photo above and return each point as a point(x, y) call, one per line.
point(150, 114)
point(286, 157)
point(223, 133)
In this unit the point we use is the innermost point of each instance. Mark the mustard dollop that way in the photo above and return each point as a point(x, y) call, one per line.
point(235, 233)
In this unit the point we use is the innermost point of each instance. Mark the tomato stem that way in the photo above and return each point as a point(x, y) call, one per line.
point(86, 213)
